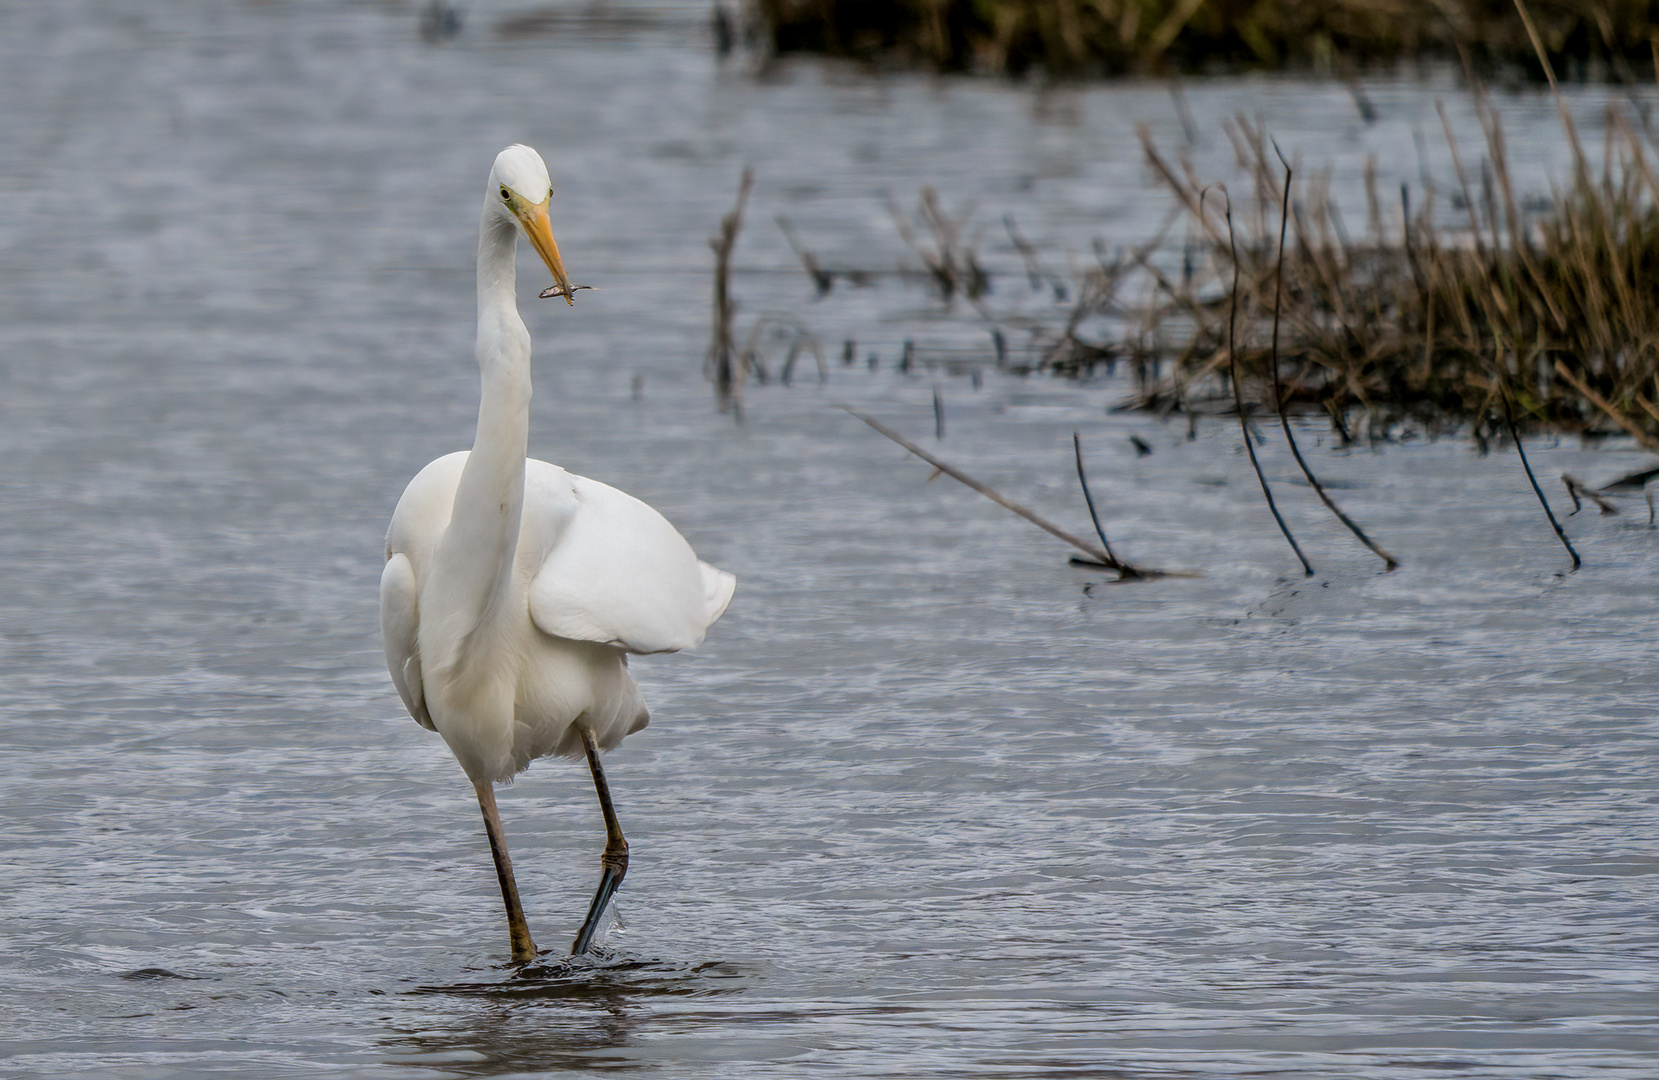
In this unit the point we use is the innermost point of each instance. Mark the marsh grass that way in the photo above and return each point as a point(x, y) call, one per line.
point(1554, 312)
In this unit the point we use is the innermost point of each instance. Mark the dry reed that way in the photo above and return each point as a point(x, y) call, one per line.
point(1553, 311)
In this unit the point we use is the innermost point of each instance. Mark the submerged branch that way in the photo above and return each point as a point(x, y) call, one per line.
point(1099, 555)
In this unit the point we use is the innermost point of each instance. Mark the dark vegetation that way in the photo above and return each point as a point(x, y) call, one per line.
point(1584, 38)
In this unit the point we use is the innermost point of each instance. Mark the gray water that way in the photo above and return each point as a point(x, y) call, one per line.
point(929, 802)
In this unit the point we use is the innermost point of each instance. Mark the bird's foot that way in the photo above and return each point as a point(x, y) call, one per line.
point(613, 867)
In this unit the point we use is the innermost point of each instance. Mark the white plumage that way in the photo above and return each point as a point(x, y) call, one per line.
point(513, 590)
point(593, 567)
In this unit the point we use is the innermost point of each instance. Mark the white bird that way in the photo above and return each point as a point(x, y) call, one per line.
point(513, 590)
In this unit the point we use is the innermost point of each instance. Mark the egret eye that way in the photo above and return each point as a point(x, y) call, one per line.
point(505, 194)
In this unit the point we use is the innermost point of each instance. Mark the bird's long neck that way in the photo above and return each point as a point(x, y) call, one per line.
point(483, 532)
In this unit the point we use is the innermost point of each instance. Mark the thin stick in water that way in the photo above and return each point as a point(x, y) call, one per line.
point(1514, 433)
point(1094, 553)
point(1389, 561)
point(1238, 397)
point(1124, 571)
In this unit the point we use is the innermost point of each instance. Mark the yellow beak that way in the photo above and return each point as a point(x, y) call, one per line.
point(540, 232)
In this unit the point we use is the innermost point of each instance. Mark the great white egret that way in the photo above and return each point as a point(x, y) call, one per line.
point(513, 590)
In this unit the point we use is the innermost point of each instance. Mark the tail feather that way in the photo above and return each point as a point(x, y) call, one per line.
point(718, 587)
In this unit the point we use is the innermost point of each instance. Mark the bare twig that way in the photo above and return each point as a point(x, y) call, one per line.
point(1631, 480)
point(1573, 487)
point(1577, 491)
point(1514, 433)
point(1238, 396)
point(1389, 561)
point(1124, 570)
point(1097, 554)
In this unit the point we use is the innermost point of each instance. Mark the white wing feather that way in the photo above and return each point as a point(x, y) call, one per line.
point(399, 629)
point(619, 574)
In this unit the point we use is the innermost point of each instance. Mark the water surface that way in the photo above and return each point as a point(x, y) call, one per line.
point(929, 801)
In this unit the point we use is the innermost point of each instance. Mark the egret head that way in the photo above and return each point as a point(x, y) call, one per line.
point(519, 184)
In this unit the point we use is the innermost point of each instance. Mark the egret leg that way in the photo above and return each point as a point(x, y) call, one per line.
point(518, 931)
point(613, 865)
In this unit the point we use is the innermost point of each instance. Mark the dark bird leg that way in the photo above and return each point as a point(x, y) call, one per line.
point(518, 931)
point(614, 863)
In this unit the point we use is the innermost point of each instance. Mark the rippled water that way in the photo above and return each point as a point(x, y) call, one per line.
point(929, 802)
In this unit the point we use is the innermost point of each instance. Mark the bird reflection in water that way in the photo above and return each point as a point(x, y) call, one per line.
point(577, 1013)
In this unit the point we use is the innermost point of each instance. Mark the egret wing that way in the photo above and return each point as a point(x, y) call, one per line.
point(399, 630)
point(618, 573)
